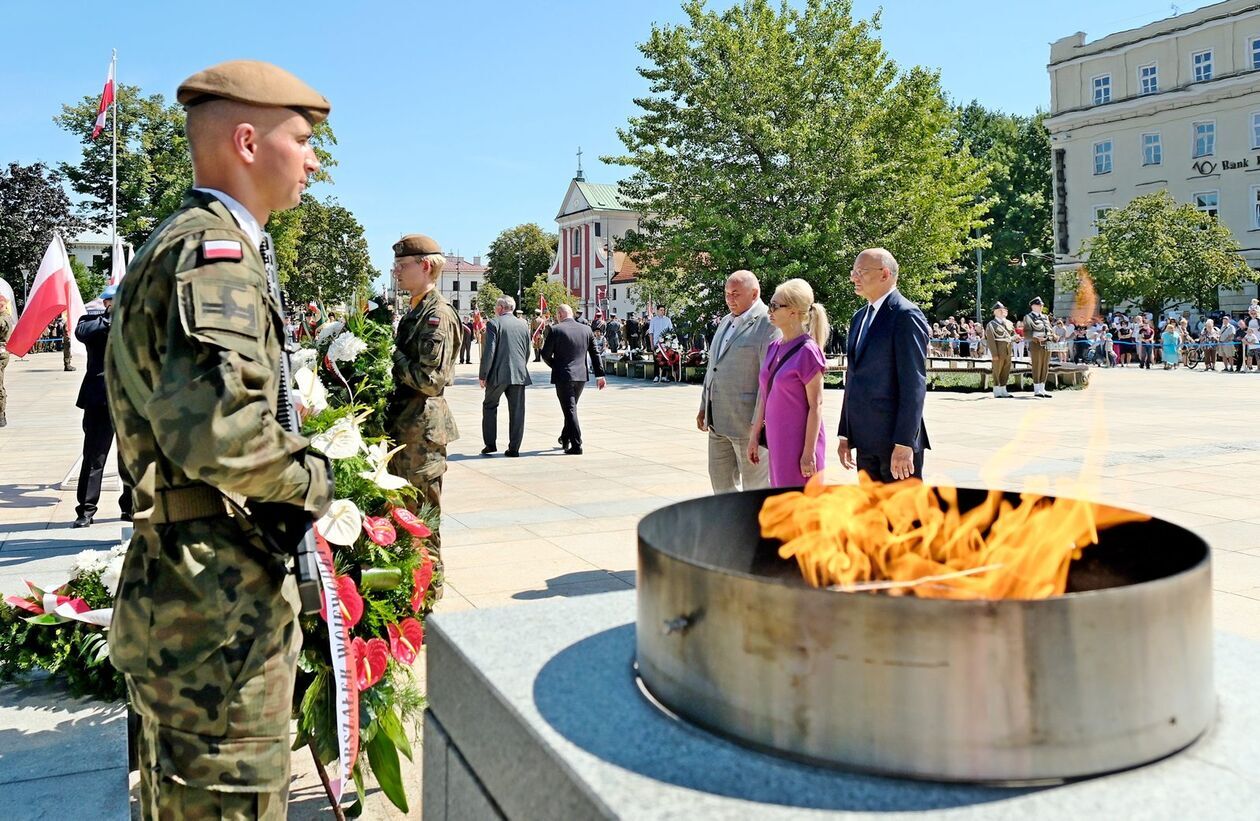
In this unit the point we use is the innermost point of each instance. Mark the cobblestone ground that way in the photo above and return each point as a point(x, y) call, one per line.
point(1183, 445)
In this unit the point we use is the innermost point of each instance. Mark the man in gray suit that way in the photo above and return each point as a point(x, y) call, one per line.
point(504, 370)
point(730, 386)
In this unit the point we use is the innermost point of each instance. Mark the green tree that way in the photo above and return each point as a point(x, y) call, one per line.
point(32, 206)
point(1160, 253)
point(785, 141)
point(487, 296)
point(527, 244)
point(331, 262)
point(90, 282)
point(555, 292)
point(1016, 150)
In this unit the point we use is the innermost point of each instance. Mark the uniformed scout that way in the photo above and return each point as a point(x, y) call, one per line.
point(1038, 334)
point(425, 349)
point(999, 334)
point(205, 622)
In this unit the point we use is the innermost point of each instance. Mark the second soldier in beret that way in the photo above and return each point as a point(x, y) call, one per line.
point(1038, 334)
point(205, 620)
point(425, 349)
point(999, 333)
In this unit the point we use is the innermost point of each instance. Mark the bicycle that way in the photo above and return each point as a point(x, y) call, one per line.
point(1192, 355)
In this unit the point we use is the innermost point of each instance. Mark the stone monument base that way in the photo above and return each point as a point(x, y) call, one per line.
point(534, 712)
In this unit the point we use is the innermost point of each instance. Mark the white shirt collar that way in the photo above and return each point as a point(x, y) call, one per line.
point(875, 306)
point(243, 218)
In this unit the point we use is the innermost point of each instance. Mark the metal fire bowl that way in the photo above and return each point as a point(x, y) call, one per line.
point(1113, 674)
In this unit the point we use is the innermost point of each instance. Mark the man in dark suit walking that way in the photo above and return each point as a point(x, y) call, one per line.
point(569, 349)
point(886, 383)
point(504, 371)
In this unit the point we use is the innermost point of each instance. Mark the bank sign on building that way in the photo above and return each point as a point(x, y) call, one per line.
point(1173, 105)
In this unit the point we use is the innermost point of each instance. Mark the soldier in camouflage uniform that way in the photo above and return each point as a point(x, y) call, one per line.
point(205, 626)
point(425, 349)
point(6, 328)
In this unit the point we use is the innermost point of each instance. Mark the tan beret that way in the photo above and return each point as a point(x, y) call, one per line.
point(416, 245)
point(255, 83)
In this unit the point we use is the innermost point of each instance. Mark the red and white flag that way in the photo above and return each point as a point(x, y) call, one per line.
point(542, 304)
point(53, 292)
point(118, 262)
point(107, 98)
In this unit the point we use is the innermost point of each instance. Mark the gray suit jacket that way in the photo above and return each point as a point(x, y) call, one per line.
point(505, 358)
point(730, 382)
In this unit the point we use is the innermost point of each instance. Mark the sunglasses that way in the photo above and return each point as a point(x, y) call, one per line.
point(774, 306)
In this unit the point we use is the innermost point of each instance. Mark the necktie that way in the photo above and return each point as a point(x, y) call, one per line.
point(866, 325)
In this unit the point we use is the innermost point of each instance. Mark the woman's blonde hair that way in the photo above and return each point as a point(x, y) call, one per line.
point(799, 296)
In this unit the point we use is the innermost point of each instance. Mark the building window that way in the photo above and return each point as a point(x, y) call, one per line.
point(1102, 89)
point(1204, 139)
point(1148, 79)
point(614, 290)
point(1255, 130)
point(455, 303)
point(1201, 62)
point(1100, 213)
point(1255, 53)
point(472, 286)
point(1208, 202)
point(597, 228)
point(1152, 150)
point(1102, 157)
point(1255, 206)
point(455, 285)
point(577, 242)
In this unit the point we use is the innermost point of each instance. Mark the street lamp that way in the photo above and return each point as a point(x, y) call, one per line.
point(458, 260)
point(519, 264)
point(1023, 258)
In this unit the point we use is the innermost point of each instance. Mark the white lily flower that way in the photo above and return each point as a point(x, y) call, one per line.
point(346, 348)
point(342, 524)
point(341, 441)
point(379, 457)
point(310, 393)
point(329, 330)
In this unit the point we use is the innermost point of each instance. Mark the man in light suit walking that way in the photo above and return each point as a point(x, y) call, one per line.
point(729, 397)
point(504, 371)
point(569, 349)
point(886, 383)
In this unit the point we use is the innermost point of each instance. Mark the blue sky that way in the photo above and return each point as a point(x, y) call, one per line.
point(461, 119)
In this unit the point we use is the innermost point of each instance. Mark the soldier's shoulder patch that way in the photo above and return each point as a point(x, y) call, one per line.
point(225, 305)
point(214, 250)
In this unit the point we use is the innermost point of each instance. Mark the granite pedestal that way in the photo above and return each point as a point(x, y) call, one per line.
point(534, 713)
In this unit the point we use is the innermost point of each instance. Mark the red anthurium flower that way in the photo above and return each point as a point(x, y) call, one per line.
point(370, 659)
point(405, 639)
point(411, 523)
point(26, 604)
point(420, 578)
point(351, 602)
point(380, 530)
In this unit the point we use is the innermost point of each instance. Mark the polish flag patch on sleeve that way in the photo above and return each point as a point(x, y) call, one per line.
point(221, 249)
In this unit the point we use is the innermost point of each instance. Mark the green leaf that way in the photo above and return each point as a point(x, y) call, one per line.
point(392, 726)
point(383, 756)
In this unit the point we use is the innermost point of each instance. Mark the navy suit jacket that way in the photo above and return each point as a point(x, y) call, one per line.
point(569, 348)
point(886, 381)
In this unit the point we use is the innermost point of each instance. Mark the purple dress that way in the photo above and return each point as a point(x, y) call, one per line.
point(787, 410)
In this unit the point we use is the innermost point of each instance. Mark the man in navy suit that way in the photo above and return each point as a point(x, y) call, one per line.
point(886, 382)
point(569, 350)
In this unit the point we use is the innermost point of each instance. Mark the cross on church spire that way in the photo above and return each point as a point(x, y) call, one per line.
point(580, 177)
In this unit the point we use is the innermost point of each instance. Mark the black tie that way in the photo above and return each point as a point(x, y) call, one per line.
point(863, 329)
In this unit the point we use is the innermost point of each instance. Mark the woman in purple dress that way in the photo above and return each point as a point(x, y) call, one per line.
point(789, 405)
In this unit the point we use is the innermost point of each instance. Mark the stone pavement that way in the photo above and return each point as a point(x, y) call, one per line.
point(1183, 445)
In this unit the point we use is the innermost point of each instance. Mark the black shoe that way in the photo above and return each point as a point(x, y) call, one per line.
point(487, 450)
point(71, 368)
point(564, 443)
point(126, 517)
point(82, 521)
point(512, 453)
point(574, 450)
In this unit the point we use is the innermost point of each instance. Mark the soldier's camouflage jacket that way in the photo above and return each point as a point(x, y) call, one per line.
point(425, 349)
point(191, 369)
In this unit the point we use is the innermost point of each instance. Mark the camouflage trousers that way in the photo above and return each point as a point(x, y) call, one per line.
point(422, 464)
point(4, 397)
point(188, 770)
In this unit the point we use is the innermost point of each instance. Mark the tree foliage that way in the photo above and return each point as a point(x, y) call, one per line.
point(785, 141)
point(555, 292)
point(1160, 253)
point(32, 206)
point(530, 245)
point(487, 296)
point(1016, 151)
point(331, 262)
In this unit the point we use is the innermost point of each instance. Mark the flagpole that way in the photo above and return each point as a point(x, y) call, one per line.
point(113, 240)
